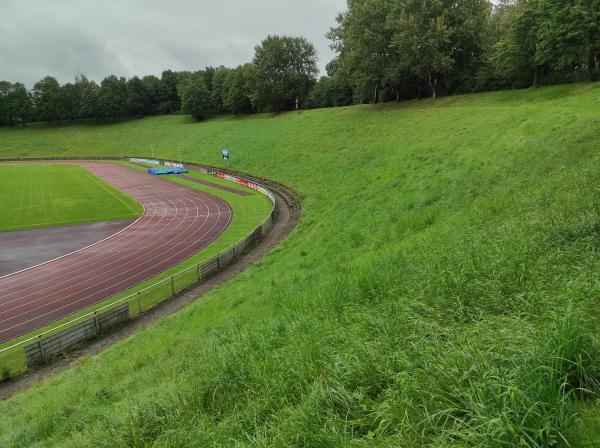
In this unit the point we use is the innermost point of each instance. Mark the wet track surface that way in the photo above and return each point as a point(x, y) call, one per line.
point(178, 222)
point(23, 249)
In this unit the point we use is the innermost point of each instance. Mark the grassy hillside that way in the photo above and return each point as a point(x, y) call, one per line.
point(440, 291)
point(34, 196)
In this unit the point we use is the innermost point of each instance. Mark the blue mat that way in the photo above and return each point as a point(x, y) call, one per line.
point(163, 171)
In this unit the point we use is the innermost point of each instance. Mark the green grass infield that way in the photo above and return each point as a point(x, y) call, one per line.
point(36, 195)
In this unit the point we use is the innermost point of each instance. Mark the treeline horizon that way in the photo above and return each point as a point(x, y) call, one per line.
point(386, 50)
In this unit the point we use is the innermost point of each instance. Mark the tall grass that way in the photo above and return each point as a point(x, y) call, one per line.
point(441, 289)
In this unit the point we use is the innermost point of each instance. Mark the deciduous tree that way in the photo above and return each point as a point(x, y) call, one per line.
point(195, 96)
point(286, 69)
point(46, 99)
point(112, 97)
point(169, 98)
point(236, 91)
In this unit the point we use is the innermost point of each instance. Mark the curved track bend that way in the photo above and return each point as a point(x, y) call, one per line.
point(178, 222)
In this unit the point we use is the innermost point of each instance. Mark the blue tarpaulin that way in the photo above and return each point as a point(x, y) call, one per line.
point(162, 171)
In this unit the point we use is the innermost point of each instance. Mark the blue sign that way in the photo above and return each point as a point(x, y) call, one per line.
point(225, 154)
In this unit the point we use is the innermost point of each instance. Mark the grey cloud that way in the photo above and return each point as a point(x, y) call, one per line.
point(137, 37)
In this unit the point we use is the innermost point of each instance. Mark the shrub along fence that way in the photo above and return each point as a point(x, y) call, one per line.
point(60, 338)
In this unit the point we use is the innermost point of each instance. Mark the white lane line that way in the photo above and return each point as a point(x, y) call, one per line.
point(190, 198)
point(152, 221)
point(67, 305)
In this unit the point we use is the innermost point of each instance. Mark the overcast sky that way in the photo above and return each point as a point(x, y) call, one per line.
point(137, 37)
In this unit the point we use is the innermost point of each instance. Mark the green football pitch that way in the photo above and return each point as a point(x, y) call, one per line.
point(44, 195)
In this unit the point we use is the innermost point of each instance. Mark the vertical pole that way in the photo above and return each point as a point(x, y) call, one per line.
point(96, 323)
point(199, 272)
point(173, 284)
point(139, 301)
point(41, 346)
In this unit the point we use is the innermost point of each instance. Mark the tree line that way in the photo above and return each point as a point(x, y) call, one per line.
point(395, 49)
point(385, 50)
point(279, 78)
point(114, 97)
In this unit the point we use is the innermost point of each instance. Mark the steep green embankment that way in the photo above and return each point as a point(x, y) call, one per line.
point(441, 290)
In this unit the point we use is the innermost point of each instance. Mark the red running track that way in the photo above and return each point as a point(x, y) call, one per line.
point(178, 222)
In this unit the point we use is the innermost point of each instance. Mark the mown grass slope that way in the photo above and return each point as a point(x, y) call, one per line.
point(441, 290)
point(34, 196)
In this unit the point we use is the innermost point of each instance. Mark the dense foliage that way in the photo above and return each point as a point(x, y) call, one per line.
point(555, 39)
point(391, 49)
point(386, 50)
point(114, 97)
point(285, 70)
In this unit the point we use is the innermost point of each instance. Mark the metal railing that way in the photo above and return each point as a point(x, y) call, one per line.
point(60, 338)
